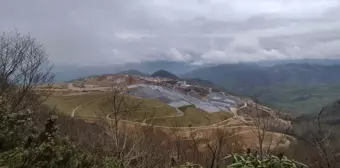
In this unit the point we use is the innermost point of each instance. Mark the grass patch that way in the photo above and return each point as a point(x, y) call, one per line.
point(98, 105)
point(65, 104)
point(147, 108)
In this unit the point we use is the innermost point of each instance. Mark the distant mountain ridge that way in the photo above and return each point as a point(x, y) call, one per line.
point(296, 88)
point(242, 77)
point(66, 73)
point(133, 72)
point(164, 74)
point(69, 72)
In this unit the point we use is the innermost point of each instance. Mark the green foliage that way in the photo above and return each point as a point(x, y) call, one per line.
point(43, 149)
point(26, 144)
point(13, 126)
point(249, 160)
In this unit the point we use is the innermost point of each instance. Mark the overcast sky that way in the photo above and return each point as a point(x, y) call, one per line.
point(97, 32)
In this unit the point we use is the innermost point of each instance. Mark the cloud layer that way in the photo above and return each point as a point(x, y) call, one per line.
point(87, 32)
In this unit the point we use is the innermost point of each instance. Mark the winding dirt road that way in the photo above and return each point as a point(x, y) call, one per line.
point(219, 125)
point(80, 106)
point(216, 125)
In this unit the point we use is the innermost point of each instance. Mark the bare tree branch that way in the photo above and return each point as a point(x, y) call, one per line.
point(23, 66)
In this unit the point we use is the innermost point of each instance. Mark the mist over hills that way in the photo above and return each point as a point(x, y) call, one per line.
point(69, 72)
point(292, 87)
point(300, 61)
point(66, 73)
point(246, 76)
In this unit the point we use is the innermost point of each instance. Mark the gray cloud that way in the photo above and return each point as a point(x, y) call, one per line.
point(87, 32)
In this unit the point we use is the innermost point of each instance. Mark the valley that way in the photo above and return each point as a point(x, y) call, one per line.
point(196, 111)
point(168, 104)
point(295, 88)
point(170, 84)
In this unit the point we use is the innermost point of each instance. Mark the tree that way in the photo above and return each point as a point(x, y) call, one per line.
point(24, 141)
point(262, 123)
point(218, 147)
point(131, 141)
point(23, 66)
point(321, 142)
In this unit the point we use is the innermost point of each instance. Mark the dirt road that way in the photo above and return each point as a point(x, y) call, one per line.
point(180, 113)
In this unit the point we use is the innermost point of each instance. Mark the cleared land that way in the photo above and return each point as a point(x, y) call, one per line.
point(152, 111)
point(134, 109)
point(192, 117)
point(66, 104)
point(193, 121)
point(98, 105)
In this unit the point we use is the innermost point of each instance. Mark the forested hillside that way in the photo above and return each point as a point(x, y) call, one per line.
point(298, 88)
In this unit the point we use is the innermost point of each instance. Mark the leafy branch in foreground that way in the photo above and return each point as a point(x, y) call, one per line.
point(46, 149)
point(251, 160)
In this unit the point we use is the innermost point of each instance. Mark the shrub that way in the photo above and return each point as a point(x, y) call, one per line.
point(251, 160)
point(45, 149)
